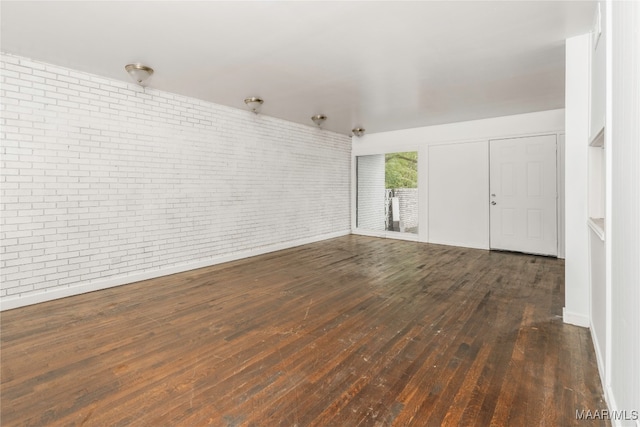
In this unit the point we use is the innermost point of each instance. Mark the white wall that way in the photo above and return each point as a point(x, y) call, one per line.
point(623, 113)
point(470, 135)
point(597, 84)
point(457, 191)
point(104, 183)
point(598, 297)
point(371, 192)
point(561, 196)
point(576, 310)
point(598, 209)
point(614, 264)
point(507, 126)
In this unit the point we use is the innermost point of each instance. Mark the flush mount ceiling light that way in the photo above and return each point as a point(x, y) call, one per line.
point(318, 119)
point(358, 131)
point(139, 72)
point(254, 103)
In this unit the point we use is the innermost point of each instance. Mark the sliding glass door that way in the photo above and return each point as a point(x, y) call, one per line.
point(387, 192)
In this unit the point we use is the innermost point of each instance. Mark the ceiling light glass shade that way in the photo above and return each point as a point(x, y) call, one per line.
point(254, 103)
point(358, 131)
point(318, 119)
point(139, 72)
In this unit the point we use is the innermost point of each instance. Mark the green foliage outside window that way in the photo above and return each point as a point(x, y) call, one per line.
point(401, 170)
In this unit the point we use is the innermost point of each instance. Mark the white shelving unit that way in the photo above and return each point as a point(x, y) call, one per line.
point(597, 184)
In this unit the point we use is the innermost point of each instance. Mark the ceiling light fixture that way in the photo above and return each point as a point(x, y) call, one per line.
point(318, 119)
point(139, 72)
point(358, 132)
point(254, 103)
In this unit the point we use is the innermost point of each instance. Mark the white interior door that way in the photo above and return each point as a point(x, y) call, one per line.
point(523, 196)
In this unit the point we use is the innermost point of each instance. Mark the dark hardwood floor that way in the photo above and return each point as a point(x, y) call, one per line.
point(354, 331)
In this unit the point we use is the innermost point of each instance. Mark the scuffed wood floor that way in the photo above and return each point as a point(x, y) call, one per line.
point(354, 331)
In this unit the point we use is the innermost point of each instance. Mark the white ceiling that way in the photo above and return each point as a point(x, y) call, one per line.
point(381, 65)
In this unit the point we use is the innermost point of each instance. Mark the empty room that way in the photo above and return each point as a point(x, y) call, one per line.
point(313, 213)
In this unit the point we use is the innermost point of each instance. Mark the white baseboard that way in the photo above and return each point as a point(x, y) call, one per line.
point(369, 233)
point(613, 407)
point(386, 234)
point(460, 244)
point(575, 318)
point(599, 358)
point(11, 302)
point(611, 403)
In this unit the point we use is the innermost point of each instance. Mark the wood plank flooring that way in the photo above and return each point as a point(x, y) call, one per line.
point(354, 331)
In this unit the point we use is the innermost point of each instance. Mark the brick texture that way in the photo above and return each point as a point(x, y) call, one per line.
point(102, 178)
point(408, 199)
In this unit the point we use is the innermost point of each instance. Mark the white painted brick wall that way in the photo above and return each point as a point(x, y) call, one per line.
point(371, 192)
point(102, 179)
point(408, 201)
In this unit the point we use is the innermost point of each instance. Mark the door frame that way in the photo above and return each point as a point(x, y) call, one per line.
point(560, 187)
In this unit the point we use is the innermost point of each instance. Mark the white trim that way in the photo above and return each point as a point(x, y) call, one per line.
point(519, 125)
point(608, 391)
point(386, 234)
point(613, 407)
point(597, 229)
point(599, 361)
point(11, 302)
point(575, 318)
point(552, 133)
point(459, 244)
point(557, 200)
point(487, 223)
point(560, 179)
point(353, 185)
point(359, 150)
point(423, 194)
point(370, 233)
point(608, 143)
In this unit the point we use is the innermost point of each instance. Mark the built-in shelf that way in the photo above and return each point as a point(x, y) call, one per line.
point(597, 225)
point(598, 139)
point(597, 182)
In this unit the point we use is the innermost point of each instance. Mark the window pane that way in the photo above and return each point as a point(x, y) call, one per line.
point(387, 192)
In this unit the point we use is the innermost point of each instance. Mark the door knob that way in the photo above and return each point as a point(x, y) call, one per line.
point(493, 203)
